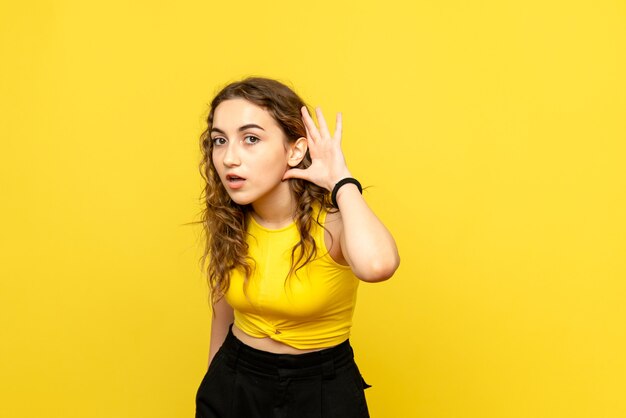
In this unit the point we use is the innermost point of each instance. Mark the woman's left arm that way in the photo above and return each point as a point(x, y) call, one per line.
point(366, 244)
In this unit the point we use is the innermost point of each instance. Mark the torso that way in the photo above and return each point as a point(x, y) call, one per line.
point(333, 226)
point(267, 344)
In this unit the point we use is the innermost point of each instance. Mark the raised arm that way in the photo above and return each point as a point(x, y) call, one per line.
point(366, 244)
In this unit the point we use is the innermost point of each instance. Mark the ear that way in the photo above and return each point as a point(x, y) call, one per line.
point(297, 151)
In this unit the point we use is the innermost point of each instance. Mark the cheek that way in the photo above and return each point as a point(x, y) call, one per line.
point(216, 170)
point(278, 157)
point(276, 165)
point(214, 161)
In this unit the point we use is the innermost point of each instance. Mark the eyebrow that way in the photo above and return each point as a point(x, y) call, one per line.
point(241, 128)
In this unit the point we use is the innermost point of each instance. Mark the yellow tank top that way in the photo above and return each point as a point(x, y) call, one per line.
point(313, 309)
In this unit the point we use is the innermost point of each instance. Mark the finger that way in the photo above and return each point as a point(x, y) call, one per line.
point(322, 122)
point(309, 125)
point(296, 173)
point(310, 140)
point(338, 127)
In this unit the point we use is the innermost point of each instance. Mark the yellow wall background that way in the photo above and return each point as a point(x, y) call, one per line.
point(492, 133)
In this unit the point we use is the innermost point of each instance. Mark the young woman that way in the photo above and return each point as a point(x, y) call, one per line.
point(289, 238)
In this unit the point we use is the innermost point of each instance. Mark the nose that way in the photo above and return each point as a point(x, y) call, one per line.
point(231, 155)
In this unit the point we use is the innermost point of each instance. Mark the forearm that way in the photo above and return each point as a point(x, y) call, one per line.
point(367, 245)
point(220, 323)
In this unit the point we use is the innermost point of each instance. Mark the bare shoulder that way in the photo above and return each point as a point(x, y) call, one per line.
point(332, 236)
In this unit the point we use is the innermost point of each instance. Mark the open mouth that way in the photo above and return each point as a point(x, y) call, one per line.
point(231, 178)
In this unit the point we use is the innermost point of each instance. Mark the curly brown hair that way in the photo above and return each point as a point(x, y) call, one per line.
point(224, 221)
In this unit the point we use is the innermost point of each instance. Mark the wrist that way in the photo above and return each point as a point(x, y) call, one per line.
point(337, 178)
point(340, 185)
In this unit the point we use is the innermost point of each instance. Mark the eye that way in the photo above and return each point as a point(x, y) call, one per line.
point(251, 139)
point(219, 141)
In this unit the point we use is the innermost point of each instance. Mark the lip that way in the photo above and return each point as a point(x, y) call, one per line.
point(234, 184)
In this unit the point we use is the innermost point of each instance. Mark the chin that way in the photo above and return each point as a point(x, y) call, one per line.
point(240, 200)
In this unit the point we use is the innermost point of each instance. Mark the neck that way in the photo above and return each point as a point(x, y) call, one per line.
point(275, 210)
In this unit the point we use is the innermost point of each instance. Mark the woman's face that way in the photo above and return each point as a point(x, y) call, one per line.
point(250, 152)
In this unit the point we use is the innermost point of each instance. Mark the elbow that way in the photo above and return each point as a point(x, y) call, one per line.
point(379, 270)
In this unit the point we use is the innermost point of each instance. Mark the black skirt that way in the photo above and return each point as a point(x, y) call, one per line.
point(243, 382)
